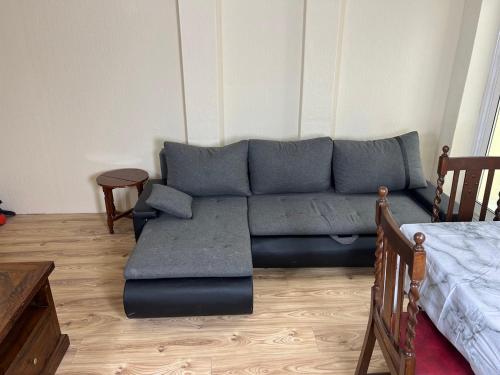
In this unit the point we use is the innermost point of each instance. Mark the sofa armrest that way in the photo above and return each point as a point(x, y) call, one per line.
point(142, 212)
point(425, 196)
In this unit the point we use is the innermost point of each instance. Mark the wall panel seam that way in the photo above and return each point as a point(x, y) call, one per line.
point(184, 111)
point(337, 62)
point(220, 74)
point(301, 89)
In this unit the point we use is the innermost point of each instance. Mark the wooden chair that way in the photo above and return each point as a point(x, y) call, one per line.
point(473, 166)
point(388, 293)
point(395, 330)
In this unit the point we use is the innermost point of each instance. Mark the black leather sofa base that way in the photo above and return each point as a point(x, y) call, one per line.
point(188, 297)
point(312, 251)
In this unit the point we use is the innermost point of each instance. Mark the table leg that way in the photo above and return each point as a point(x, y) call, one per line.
point(140, 186)
point(110, 207)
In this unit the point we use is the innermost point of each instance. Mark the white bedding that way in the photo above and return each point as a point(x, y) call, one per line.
point(461, 290)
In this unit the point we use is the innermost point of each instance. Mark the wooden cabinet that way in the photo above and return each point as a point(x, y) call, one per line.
point(30, 336)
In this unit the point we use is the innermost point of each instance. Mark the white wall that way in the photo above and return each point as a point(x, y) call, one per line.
point(262, 54)
point(461, 64)
point(473, 59)
point(85, 86)
point(89, 86)
point(466, 126)
point(395, 69)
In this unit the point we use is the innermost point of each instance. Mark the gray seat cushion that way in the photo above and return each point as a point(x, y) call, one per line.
point(363, 166)
point(326, 213)
point(214, 243)
point(208, 171)
point(290, 167)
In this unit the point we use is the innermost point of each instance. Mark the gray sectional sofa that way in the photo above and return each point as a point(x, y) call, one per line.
point(264, 204)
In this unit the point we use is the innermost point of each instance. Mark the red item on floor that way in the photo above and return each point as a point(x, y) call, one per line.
point(3, 219)
point(434, 353)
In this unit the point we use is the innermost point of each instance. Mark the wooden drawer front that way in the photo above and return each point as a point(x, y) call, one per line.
point(38, 347)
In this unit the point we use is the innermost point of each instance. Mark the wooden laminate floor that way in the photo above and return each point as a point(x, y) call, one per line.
point(305, 321)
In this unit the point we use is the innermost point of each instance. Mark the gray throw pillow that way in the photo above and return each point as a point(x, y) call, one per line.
point(290, 167)
point(206, 171)
point(363, 166)
point(170, 201)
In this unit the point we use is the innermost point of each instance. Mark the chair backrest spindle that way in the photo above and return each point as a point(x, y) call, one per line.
point(487, 192)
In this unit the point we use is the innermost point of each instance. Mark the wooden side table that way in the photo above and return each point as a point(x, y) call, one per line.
point(30, 336)
point(119, 178)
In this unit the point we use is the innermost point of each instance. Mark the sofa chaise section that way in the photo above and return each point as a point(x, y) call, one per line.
point(201, 266)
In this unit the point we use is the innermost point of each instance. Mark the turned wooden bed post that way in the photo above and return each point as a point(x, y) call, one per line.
point(441, 170)
point(417, 275)
point(381, 202)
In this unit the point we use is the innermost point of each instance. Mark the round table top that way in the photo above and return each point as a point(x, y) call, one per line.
point(122, 177)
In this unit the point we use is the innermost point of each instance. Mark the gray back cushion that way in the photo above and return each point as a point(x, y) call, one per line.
point(290, 167)
point(363, 166)
point(206, 171)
